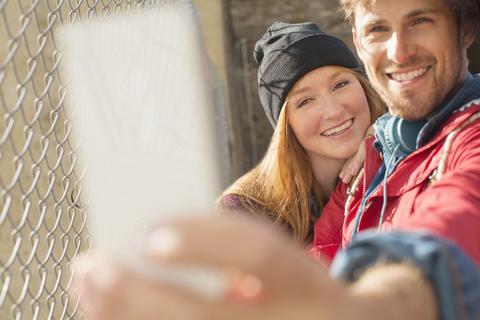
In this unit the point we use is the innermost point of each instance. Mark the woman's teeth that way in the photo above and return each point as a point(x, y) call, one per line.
point(339, 129)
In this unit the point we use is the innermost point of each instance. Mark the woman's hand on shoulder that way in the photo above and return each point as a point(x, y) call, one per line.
point(353, 165)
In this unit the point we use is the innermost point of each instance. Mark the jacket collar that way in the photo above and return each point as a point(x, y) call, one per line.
point(465, 94)
point(468, 92)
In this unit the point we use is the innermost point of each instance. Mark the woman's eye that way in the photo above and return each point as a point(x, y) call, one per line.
point(304, 102)
point(340, 85)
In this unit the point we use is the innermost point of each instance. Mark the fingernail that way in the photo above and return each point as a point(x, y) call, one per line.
point(353, 171)
point(81, 265)
point(346, 179)
point(341, 175)
point(244, 288)
point(79, 270)
point(100, 276)
point(162, 241)
point(250, 287)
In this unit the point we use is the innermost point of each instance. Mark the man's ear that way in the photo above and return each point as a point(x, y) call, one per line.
point(357, 45)
point(467, 34)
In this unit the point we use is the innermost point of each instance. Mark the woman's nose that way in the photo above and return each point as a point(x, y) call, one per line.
point(332, 109)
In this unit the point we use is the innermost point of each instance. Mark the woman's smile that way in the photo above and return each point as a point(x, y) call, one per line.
point(339, 129)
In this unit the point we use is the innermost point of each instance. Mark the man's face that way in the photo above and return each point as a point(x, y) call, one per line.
point(413, 52)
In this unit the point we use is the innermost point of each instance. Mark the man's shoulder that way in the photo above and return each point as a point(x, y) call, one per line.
point(474, 102)
point(468, 115)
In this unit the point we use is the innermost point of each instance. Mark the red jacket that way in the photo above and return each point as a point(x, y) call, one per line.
point(448, 208)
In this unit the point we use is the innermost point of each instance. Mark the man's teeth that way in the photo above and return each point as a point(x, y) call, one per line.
point(338, 130)
point(407, 76)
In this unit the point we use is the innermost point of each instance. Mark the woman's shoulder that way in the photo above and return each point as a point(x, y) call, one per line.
point(237, 206)
point(231, 201)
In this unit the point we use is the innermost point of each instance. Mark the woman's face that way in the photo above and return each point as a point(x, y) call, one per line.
point(328, 111)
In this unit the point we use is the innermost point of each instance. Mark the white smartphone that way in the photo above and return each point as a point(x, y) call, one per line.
point(143, 105)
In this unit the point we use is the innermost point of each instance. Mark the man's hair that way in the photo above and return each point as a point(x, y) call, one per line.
point(465, 10)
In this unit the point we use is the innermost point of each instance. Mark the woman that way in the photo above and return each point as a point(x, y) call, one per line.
point(320, 106)
point(321, 109)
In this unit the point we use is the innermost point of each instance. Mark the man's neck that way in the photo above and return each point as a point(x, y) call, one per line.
point(451, 97)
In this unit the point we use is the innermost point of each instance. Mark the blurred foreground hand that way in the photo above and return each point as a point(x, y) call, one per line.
point(267, 279)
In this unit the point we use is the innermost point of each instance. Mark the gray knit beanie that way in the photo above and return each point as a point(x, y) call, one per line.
point(286, 53)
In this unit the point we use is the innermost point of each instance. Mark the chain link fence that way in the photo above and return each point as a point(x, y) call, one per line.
point(42, 221)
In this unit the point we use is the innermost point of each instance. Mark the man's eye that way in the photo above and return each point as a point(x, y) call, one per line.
point(376, 29)
point(304, 102)
point(421, 20)
point(340, 85)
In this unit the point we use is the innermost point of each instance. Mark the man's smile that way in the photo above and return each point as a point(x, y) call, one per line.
point(408, 76)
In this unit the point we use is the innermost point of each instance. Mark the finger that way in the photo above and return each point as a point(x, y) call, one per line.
point(115, 293)
point(354, 164)
point(344, 169)
point(77, 272)
point(370, 131)
point(358, 159)
point(245, 245)
point(345, 176)
point(244, 289)
point(350, 169)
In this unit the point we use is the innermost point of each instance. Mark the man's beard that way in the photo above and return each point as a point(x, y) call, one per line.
point(410, 106)
point(420, 103)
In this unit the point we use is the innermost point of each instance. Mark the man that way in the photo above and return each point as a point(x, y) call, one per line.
point(415, 56)
point(423, 265)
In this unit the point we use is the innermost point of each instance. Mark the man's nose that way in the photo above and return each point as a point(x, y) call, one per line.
point(400, 48)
